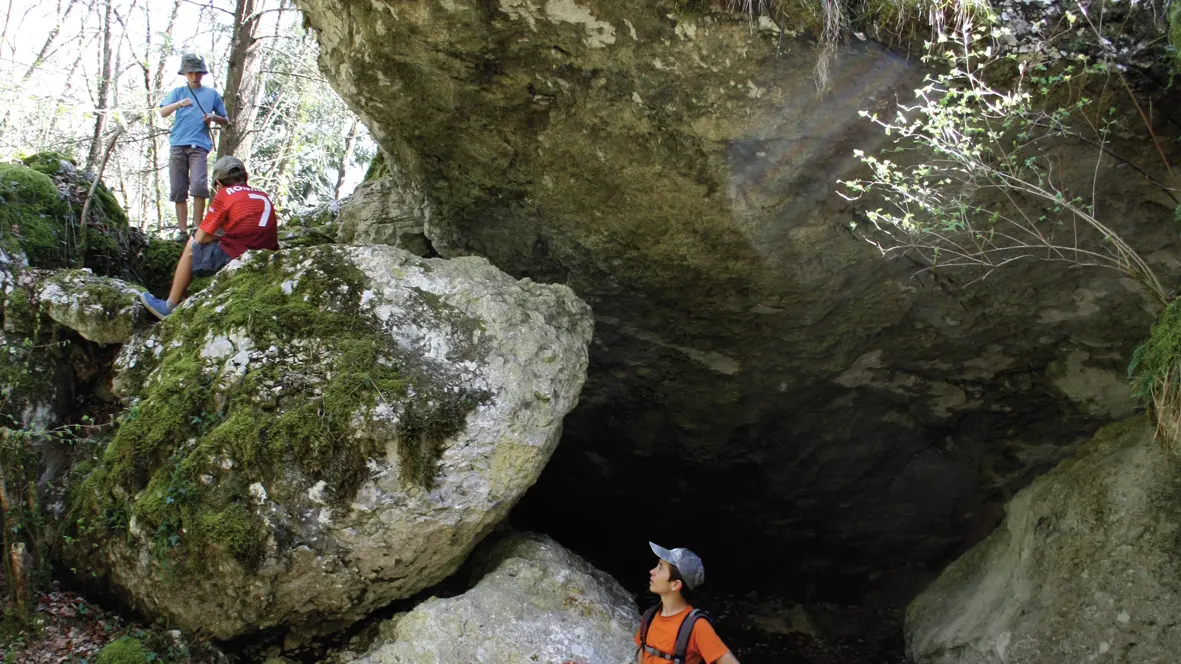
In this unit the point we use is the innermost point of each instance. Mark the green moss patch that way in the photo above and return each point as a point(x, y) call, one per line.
point(185, 458)
point(49, 163)
point(125, 650)
point(1155, 375)
point(34, 218)
point(155, 265)
point(1175, 33)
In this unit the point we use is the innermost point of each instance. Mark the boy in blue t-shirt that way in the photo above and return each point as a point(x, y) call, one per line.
point(195, 107)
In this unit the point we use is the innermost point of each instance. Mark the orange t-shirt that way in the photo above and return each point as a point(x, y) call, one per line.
point(704, 645)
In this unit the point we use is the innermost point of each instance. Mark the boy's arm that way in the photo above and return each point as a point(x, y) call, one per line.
point(219, 113)
point(168, 107)
point(728, 658)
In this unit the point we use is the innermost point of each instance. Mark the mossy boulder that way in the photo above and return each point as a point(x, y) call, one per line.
point(101, 309)
point(538, 602)
point(324, 430)
point(34, 217)
point(41, 202)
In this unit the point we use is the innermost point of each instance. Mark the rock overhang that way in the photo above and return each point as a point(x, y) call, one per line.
point(676, 171)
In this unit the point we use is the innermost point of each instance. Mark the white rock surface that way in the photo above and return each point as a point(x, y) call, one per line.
point(539, 603)
point(101, 309)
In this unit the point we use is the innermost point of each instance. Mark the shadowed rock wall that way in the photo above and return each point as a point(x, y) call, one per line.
point(815, 418)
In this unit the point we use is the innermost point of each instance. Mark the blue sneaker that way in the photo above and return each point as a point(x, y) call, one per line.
point(159, 308)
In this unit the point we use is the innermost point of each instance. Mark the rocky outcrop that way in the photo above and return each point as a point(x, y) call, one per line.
point(321, 431)
point(387, 210)
point(100, 309)
point(538, 602)
point(674, 165)
point(1085, 567)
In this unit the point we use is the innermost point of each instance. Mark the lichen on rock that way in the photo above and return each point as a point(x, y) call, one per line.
point(323, 430)
point(101, 309)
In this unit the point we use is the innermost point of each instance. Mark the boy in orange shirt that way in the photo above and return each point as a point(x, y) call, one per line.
point(676, 571)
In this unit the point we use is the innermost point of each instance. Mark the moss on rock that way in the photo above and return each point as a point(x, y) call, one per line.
point(49, 163)
point(33, 216)
point(186, 455)
point(125, 650)
point(1175, 33)
point(156, 263)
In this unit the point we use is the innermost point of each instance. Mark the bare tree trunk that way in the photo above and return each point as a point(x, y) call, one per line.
point(153, 92)
point(4, 31)
point(242, 81)
point(83, 221)
point(104, 85)
point(16, 551)
point(349, 143)
point(40, 59)
point(66, 90)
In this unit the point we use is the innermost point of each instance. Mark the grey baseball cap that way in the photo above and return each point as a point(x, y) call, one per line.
point(687, 562)
point(192, 62)
point(227, 166)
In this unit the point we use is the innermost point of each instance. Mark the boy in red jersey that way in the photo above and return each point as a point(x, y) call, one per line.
point(245, 218)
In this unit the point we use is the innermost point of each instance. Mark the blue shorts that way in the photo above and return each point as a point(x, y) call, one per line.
point(208, 258)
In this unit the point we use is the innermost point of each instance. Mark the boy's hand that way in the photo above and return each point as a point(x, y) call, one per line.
point(208, 119)
point(184, 102)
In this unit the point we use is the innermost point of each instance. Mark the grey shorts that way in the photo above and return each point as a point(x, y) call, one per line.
point(188, 173)
point(208, 258)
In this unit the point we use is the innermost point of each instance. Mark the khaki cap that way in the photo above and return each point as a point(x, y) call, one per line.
point(227, 166)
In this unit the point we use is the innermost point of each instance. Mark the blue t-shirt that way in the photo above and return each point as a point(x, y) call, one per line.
point(188, 129)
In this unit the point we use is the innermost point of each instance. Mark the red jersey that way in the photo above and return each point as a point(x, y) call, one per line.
point(246, 217)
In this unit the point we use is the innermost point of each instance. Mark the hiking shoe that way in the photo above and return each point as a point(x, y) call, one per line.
point(181, 237)
point(159, 308)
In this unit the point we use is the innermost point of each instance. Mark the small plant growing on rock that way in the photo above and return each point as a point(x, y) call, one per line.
point(975, 184)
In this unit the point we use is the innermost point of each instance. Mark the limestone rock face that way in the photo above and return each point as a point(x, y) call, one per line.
point(675, 166)
point(101, 309)
point(538, 603)
point(324, 430)
point(1085, 567)
point(387, 210)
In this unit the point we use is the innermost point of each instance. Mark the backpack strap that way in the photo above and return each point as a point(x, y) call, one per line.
point(645, 623)
point(686, 631)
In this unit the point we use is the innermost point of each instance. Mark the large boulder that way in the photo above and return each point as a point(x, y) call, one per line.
point(100, 309)
point(1085, 567)
point(324, 430)
point(675, 166)
point(538, 602)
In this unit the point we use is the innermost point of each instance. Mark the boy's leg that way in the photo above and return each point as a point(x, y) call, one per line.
point(198, 211)
point(198, 182)
point(178, 181)
point(182, 216)
point(182, 276)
